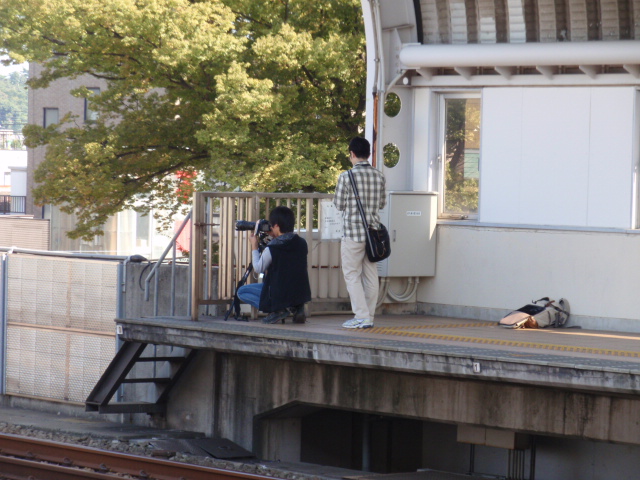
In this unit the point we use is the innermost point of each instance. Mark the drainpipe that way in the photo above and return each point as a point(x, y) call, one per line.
point(373, 33)
point(4, 305)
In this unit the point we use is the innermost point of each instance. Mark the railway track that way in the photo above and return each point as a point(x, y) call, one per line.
point(23, 458)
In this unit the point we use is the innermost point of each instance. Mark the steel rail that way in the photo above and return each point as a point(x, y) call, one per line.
point(104, 462)
point(20, 469)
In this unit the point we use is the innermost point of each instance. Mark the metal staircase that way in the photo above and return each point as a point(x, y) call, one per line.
point(165, 372)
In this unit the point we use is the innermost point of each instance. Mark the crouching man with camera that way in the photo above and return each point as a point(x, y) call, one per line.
point(285, 287)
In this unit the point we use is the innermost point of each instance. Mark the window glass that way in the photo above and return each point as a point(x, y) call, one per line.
point(90, 115)
point(51, 116)
point(392, 105)
point(460, 162)
point(142, 229)
point(391, 155)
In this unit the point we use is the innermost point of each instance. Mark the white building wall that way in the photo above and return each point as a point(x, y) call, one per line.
point(18, 176)
point(558, 156)
point(482, 272)
point(557, 206)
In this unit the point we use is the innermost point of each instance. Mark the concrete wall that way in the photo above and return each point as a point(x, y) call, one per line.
point(271, 406)
point(135, 305)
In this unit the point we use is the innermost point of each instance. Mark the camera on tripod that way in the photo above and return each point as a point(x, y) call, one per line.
point(261, 228)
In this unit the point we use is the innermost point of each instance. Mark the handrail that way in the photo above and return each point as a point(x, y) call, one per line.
point(154, 272)
point(213, 222)
point(12, 204)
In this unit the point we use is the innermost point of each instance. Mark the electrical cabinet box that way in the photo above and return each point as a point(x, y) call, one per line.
point(410, 218)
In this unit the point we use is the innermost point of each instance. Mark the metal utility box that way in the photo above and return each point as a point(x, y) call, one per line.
point(410, 218)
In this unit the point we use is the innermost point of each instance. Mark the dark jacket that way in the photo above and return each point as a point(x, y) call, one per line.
point(286, 282)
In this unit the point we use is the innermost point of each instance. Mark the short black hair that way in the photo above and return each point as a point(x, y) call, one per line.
point(283, 217)
point(361, 147)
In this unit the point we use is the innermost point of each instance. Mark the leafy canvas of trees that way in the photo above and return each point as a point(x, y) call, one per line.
point(256, 95)
point(13, 101)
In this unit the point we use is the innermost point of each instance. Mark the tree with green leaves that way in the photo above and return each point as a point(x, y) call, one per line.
point(13, 101)
point(257, 95)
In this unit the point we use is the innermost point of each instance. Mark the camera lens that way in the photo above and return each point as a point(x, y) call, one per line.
point(245, 225)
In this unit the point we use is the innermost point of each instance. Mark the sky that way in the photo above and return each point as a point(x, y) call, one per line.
point(4, 71)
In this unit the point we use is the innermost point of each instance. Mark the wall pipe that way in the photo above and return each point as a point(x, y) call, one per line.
point(4, 305)
point(53, 253)
point(620, 52)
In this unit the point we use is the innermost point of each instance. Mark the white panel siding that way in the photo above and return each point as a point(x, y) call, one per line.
point(501, 155)
point(558, 156)
point(555, 152)
point(397, 130)
point(424, 143)
point(611, 157)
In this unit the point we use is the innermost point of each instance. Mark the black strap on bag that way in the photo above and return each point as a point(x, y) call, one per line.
point(378, 248)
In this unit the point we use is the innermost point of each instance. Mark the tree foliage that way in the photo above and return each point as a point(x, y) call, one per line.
point(260, 95)
point(13, 101)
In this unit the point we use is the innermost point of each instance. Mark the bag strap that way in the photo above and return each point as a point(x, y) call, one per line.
point(357, 195)
point(551, 303)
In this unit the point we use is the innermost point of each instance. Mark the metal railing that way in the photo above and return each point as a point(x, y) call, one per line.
point(12, 204)
point(216, 245)
point(154, 273)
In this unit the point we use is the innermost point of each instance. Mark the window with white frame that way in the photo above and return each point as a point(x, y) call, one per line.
point(459, 155)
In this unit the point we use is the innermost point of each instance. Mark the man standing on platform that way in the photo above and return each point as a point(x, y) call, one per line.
point(360, 275)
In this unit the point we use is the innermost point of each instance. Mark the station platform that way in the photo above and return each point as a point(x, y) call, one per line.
point(570, 358)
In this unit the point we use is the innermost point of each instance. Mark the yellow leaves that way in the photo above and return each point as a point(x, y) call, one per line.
point(286, 46)
point(257, 94)
point(175, 34)
point(243, 95)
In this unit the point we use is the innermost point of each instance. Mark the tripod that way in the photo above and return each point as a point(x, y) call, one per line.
point(235, 304)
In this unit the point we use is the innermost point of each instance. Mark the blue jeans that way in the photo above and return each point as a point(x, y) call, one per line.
point(250, 294)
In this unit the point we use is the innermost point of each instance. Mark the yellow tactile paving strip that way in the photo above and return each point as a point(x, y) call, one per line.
point(414, 331)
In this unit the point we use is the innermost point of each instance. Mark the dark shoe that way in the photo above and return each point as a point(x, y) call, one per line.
point(273, 317)
point(298, 314)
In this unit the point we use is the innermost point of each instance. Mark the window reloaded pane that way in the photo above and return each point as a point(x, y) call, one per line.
point(462, 154)
point(51, 116)
point(90, 115)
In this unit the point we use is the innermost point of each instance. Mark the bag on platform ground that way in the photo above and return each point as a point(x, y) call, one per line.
point(539, 314)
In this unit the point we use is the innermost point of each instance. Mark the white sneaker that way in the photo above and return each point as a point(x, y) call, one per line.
point(358, 323)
